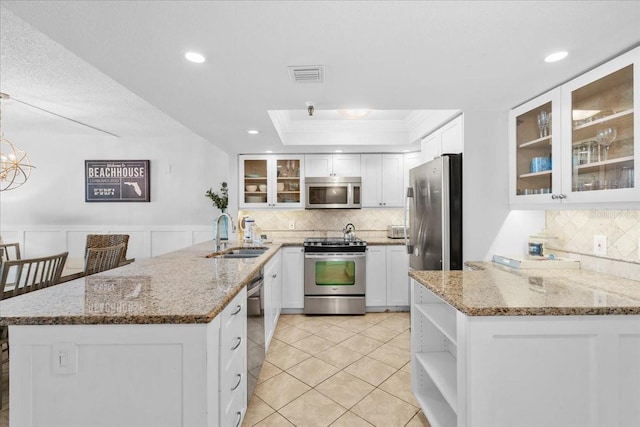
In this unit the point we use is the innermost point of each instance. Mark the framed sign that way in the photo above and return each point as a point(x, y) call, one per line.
point(116, 181)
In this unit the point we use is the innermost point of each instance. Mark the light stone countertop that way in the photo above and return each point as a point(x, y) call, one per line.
point(179, 287)
point(491, 289)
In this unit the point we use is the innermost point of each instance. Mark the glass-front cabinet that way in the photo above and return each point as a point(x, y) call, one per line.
point(271, 181)
point(600, 114)
point(575, 144)
point(535, 149)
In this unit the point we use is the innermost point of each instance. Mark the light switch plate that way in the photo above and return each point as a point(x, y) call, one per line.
point(600, 245)
point(292, 225)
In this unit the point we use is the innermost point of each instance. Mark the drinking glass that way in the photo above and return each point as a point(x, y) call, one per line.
point(605, 138)
point(543, 123)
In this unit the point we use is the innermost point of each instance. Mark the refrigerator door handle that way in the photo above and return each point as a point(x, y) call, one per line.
point(406, 210)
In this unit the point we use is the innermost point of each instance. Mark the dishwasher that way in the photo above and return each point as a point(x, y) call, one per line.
point(255, 331)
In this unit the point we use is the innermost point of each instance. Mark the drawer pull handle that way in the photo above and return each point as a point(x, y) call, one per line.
point(237, 345)
point(239, 418)
point(238, 309)
point(238, 383)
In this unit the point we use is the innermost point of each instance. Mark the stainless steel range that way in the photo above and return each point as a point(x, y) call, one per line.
point(334, 276)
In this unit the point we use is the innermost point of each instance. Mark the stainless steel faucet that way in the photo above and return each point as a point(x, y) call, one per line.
point(217, 245)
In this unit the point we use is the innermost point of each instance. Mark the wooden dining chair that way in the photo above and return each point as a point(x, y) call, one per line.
point(102, 259)
point(19, 276)
point(9, 251)
point(29, 274)
point(107, 240)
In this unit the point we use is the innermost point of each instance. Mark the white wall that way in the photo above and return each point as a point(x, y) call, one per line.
point(488, 225)
point(48, 214)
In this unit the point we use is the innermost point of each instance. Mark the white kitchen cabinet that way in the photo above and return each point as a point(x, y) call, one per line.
point(397, 276)
point(447, 139)
point(269, 181)
point(272, 297)
point(387, 276)
point(332, 165)
point(382, 180)
point(292, 277)
point(376, 273)
point(581, 170)
point(478, 371)
point(233, 361)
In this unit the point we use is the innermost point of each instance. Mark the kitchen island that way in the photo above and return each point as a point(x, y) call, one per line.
point(140, 345)
point(497, 346)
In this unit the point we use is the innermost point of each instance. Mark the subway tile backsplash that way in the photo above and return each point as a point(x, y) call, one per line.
point(575, 229)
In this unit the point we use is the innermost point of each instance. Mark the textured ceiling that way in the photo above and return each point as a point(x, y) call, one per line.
point(118, 65)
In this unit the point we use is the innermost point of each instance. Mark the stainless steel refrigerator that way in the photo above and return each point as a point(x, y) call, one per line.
point(434, 200)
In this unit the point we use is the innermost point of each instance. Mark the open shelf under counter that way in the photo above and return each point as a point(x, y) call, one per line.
point(434, 405)
point(442, 316)
point(441, 368)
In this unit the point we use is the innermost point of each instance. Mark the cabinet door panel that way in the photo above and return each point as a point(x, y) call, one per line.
point(371, 168)
point(318, 165)
point(451, 137)
point(397, 275)
point(431, 146)
point(376, 295)
point(346, 165)
point(292, 277)
point(392, 177)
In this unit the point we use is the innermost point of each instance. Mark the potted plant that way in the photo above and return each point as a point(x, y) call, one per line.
point(222, 200)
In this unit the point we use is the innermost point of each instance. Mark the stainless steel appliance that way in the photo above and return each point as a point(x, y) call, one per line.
point(333, 192)
point(334, 276)
point(434, 198)
point(255, 331)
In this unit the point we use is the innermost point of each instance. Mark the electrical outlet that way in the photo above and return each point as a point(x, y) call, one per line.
point(600, 245)
point(64, 357)
point(292, 225)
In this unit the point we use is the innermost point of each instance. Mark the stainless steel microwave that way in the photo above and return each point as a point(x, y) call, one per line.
point(333, 192)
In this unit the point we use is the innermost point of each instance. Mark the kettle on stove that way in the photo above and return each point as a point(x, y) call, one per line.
point(349, 232)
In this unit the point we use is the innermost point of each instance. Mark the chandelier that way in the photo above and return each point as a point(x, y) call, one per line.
point(15, 166)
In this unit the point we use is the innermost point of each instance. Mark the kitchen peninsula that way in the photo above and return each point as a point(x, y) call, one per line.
point(138, 345)
point(502, 347)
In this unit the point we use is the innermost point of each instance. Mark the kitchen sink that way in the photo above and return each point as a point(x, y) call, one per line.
point(241, 253)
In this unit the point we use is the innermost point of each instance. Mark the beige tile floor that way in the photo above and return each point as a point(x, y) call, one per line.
point(337, 371)
point(329, 371)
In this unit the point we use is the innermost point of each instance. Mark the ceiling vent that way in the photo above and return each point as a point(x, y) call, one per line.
point(307, 74)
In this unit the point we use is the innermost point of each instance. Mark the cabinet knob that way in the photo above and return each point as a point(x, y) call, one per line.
point(274, 276)
point(562, 196)
point(553, 197)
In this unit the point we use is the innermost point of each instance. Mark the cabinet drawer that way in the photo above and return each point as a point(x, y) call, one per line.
point(233, 385)
point(233, 315)
point(233, 413)
point(232, 347)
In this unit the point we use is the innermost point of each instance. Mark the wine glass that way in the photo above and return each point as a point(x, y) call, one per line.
point(543, 123)
point(605, 138)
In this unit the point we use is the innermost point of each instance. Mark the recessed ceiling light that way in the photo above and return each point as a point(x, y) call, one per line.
point(556, 56)
point(337, 151)
point(194, 57)
point(253, 132)
point(268, 151)
point(405, 151)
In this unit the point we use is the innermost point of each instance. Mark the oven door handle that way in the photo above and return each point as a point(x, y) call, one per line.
point(329, 255)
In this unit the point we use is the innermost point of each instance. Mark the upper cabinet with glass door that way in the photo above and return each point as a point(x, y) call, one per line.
point(600, 113)
point(534, 150)
point(575, 144)
point(271, 181)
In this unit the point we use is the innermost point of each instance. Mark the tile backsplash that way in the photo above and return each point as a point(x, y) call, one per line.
point(326, 222)
point(575, 231)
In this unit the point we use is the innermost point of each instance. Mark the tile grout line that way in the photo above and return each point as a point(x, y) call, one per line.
point(286, 324)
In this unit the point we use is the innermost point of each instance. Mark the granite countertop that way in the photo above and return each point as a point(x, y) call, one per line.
point(179, 287)
point(491, 289)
